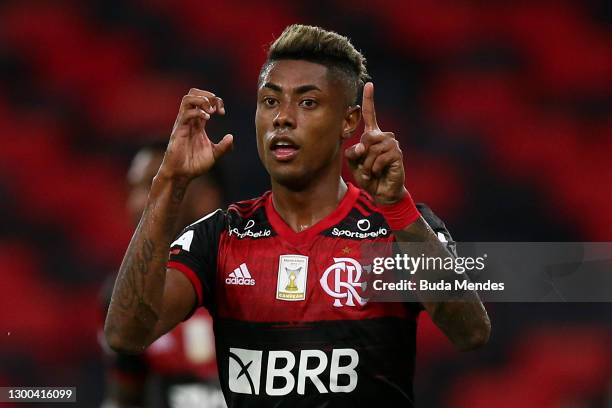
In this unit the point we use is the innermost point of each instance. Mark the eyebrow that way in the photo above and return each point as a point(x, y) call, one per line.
point(299, 90)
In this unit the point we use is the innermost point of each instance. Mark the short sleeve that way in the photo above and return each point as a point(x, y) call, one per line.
point(439, 228)
point(194, 253)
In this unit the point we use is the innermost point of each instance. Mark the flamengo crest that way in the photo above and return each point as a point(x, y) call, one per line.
point(342, 280)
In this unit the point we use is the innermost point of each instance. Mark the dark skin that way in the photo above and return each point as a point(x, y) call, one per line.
point(301, 105)
point(378, 166)
point(298, 102)
point(202, 197)
point(147, 299)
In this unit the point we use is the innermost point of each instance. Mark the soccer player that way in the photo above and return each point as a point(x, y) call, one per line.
point(179, 369)
point(280, 274)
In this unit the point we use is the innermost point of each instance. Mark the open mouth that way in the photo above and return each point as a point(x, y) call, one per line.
point(284, 151)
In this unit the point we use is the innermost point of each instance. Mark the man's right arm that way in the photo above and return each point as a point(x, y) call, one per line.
point(137, 304)
point(147, 299)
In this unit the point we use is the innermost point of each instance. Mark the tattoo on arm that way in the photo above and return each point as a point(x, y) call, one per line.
point(132, 279)
point(458, 312)
point(136, 303)
point(178, 193)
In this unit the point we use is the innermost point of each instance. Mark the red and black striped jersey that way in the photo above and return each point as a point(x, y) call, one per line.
point(293, 326)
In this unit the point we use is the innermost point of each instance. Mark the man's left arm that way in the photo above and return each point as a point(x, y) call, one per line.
point(377, 166)
point(460, 314)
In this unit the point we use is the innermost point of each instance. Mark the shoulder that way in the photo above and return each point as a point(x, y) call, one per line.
point(246, 208)
point(213, 219)
point(248, 218)
point(438, 227)
point(236, 211)
point(244, 219)
point(206, 228)
point(367, 208)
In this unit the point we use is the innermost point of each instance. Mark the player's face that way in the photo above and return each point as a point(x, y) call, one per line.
point(302, 117)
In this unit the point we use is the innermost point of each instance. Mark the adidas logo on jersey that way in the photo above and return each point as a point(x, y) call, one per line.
point(240, 276)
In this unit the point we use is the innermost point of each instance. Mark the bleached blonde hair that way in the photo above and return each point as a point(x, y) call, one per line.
point(328, 48)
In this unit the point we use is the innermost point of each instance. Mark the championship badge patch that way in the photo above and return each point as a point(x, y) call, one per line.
point(292, 274)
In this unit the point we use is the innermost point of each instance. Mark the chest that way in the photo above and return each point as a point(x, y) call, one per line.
point(271, 280)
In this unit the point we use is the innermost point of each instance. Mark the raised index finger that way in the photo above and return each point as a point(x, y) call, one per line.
point(367, 107)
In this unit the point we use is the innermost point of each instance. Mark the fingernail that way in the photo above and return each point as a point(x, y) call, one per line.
point(365, 176)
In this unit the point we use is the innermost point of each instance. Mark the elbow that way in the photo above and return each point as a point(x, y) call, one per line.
point(478, 337)
point(120, 343)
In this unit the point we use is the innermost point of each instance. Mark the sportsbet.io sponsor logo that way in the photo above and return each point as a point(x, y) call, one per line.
point(286, 371)
point(363, 224)
point(380, 232)
point(249, 233)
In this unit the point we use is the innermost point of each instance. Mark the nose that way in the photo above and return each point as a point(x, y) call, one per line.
point(285, 117)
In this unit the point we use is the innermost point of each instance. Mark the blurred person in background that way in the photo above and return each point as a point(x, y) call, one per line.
point(178, 370)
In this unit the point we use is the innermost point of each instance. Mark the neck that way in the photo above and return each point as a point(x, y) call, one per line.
point(304, 208)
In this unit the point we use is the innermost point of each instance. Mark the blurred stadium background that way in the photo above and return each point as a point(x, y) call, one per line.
point(503, 109)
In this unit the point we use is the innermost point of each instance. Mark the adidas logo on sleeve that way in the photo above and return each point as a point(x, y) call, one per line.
point(240, 276)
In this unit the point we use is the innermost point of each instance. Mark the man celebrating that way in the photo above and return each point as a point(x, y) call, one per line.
point(280, 274)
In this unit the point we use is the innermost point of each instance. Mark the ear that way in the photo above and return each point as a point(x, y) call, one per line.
point(351, 121)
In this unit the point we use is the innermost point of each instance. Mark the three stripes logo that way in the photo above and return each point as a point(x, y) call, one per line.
point(240, 276)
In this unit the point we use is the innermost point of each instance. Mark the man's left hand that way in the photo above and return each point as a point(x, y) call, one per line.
point(376, 161)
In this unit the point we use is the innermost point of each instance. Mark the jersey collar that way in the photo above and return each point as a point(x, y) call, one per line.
point(306, 236)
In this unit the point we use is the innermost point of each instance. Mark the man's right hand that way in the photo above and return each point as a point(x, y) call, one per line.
point(147, 300)
point(190, 152)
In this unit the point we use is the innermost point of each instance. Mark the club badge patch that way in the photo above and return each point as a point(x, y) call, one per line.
point(292, 274)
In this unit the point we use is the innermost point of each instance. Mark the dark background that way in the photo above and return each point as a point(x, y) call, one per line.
point(503, 110)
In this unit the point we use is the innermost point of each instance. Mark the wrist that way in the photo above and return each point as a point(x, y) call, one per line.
point(175, 185)
point(401, 212)
point(169, 177)
point(383, 201)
